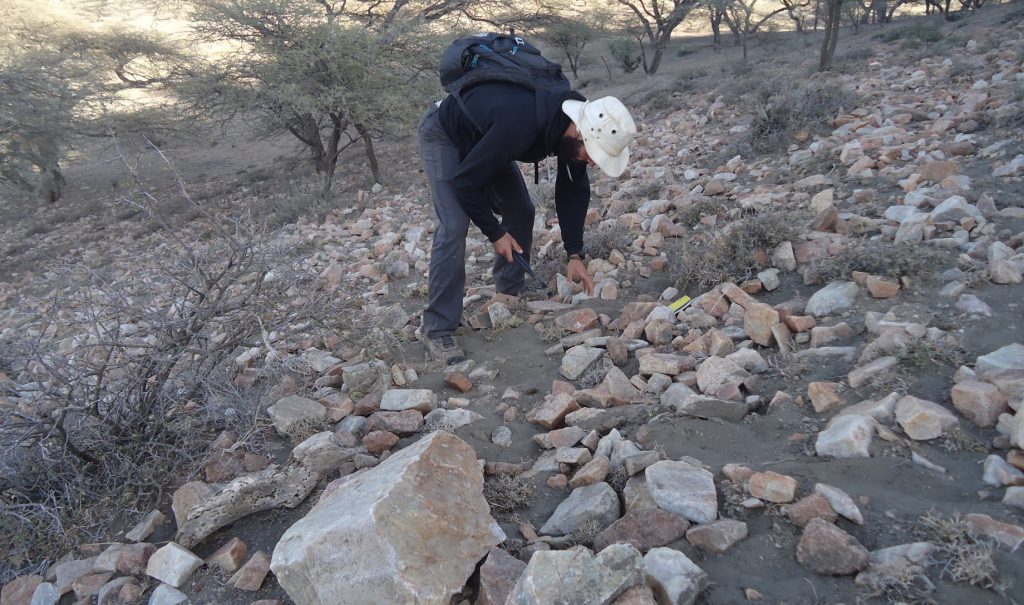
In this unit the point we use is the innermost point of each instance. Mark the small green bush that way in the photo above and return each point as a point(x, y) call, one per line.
point(625, 53)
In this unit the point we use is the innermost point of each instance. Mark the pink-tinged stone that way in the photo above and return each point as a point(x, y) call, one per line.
point(133, 558)
point(550, 414)
point(758, 321)
point(403, 424)
point(498, 575)
point(825, 396)
point(638, 595)
point(882, 288)
point(737, 473)
point(578, 321)
point(459, 381)
point(980, 402)
point(1008, 536)
point(825, 549)
point(814, 506)
point(19, 590)
point(378, 442)
point(922, 419)
point(736, 294)
point(251, 575)
point(772, 487)
point(89, 584)
point(864, 374)
point(229, 556)
point(644, 528)
point(717, 536)
point(800, 323)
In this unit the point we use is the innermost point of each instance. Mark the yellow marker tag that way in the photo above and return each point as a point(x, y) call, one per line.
point(682, 303)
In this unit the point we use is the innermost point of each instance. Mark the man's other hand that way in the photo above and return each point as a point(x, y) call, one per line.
point(577, 270)
point(505, 246)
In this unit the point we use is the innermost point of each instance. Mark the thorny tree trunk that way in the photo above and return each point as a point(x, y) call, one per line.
point(817, 13)
point(716, 27)
point(50, 186)
point(833, 19)
point(371, 155)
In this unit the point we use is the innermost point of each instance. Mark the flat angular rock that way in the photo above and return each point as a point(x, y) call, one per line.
point(598, 503)
point(882, 288)
point(1010, 357)
point(847, 436)
point(644, 529)
point(229, 557)
point(675, 579)
point(578, 576)
point(717, 536)
point(498, 575)
point(67, 572)
point(1014, 496)
point(840, 502)
point(837, 296)
point(147, 526)
point(922, 420)
point(578, 359)
point(772, 487)
point(825, 396)
point(683, 489)
point(638, 595)
point(19, 590)
point(701, 406)
point(715, 372)
point(89, 585)
point(814, 506)
point(665, 363)
point(374, 536)
point(979, 402)
point(640, 461)
point(132, 559)
point(972, 305)
point(397, 400)
point(758, 321)
point(550, 414)
point(825, 549)
point(592, 472)
point(293, 411)
point(44, 594)
point(172, 565)
point(636, 496)
point(866, 373)
point(578, 321)
point(1007, 535)
point(167, 595)
point(251, 575)
point(404, 423)
point(902, 561)
point(998, 472)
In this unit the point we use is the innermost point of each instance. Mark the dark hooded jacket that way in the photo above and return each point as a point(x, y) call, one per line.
point(507, 115)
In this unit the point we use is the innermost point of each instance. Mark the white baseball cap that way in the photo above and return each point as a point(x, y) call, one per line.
point(607, 130)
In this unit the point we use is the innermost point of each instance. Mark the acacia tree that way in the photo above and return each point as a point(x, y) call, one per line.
point(571, 36)
point(743, 19)
point(659, 18)
point(328, 74)
point(61, 81)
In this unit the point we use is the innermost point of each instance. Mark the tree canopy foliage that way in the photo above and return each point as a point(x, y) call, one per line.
point(60, 80)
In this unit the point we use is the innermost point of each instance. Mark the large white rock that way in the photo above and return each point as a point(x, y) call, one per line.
point(167, 595)
point(578, 576)
point(675, 579)
point(294, 410)
point(837, 296)
point(172, 564)
point(846, 437)
point(922, 419)
point(683, 489)
point(1010, 357)
point(397, 400)
point(578, 359)
point(717, 371)
point(410, 530)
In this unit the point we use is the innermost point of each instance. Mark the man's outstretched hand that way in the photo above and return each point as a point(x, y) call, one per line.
point(505, 246)
point(577, 270)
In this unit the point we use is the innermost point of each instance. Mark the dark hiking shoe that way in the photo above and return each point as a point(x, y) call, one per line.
point(444, 348)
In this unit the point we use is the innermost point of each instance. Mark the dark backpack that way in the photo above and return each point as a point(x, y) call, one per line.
point(490, 57)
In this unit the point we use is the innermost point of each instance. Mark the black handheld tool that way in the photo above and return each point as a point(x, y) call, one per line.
point(526, 265)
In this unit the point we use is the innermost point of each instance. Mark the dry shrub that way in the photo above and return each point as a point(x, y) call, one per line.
point(593, 375)
point(506, 493)
point(899, 585)
point(617, 479)
point(886, 259)
point(600, 242)
point(963, 556)
point(781, 109)
point(702, 206)
point(734, 253)
point(585, 534)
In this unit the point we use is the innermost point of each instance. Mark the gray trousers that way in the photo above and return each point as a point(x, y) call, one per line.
point(507, 194)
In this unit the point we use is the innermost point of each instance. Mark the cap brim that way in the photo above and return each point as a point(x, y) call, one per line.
point(573, 109)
